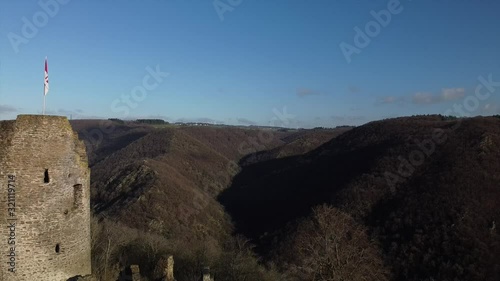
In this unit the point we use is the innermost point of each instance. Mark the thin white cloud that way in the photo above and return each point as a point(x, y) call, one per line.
point(199, 120)
point(7, 109)
point(389, 100)
point(75, 113)
point(491, 108)
point(303, 92)
point(245, 121)
point(353, 89)
point(452, 94)
point(423, 98)
point(72, 114)
point(447, 94)
point(353, 119)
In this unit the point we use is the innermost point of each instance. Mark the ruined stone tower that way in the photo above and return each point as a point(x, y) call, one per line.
point(44, 199)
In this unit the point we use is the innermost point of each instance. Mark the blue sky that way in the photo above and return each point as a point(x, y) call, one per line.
point(249, 60)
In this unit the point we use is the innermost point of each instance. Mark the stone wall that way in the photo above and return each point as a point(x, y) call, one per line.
point(44, 200)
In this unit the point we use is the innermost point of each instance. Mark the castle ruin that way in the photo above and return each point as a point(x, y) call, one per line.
point(44, 199)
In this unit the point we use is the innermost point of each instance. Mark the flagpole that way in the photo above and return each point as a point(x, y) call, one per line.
point(43, 111)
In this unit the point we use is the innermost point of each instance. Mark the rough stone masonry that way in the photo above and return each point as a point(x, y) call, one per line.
point(44, 200)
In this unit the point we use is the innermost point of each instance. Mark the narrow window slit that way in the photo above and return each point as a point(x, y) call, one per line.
point(77, 195)
point(46, 178)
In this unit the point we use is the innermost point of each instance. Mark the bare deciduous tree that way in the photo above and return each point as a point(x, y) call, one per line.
point(331, 246)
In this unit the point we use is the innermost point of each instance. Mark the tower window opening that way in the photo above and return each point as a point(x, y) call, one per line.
point(58, 248)
point(46, 178)
point(77, 195)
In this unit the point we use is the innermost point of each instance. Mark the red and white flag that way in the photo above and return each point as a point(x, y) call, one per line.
point(46, 81)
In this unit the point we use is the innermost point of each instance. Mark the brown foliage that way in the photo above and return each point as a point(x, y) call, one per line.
point(435, 224)
point(331, 246)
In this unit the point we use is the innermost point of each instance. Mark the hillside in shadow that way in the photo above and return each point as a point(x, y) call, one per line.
point(426, 189)
point(297, 143)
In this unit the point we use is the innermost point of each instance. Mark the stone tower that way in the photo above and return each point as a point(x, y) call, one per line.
point(44, 199)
